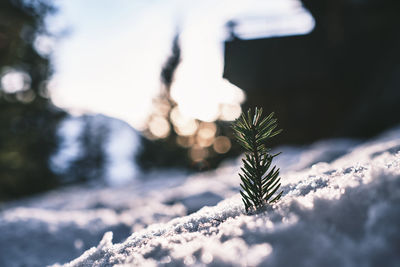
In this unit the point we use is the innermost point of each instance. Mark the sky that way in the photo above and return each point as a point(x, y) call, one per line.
point(110, 60)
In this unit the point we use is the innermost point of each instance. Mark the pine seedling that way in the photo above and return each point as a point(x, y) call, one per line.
point(259, 182)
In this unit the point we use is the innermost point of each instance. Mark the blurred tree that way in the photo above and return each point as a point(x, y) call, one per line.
point(28, 120)
point(172, 140)
point(90, 164)
point(160, 150)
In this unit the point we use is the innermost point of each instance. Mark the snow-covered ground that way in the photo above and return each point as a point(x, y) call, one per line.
point(341, 207)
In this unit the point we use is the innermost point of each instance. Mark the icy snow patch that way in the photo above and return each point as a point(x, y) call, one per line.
point(342, 213)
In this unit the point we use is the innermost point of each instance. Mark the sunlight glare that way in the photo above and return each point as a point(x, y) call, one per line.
point(114, 67)
point(230, 112)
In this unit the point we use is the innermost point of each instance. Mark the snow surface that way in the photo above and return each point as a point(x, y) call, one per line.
point(340, 208)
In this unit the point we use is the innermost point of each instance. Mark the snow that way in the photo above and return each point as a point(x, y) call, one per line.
point(340, 208)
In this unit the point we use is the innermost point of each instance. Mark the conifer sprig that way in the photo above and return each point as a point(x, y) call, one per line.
point(259, 182)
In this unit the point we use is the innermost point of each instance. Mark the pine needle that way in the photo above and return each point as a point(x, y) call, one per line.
point(259, 182)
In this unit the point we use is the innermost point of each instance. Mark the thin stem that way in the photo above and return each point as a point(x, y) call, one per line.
point(256, 157)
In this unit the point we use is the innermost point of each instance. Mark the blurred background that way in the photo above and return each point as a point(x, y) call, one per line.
point(103, 92)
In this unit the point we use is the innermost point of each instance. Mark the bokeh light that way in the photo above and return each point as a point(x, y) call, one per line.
point(185, 141)
point(13, 81)
point(26, 96)
point(198, 153)
point(44, 45)
point(222, 144)
point(159, 127)
point(207, 130)
point(183, 125)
